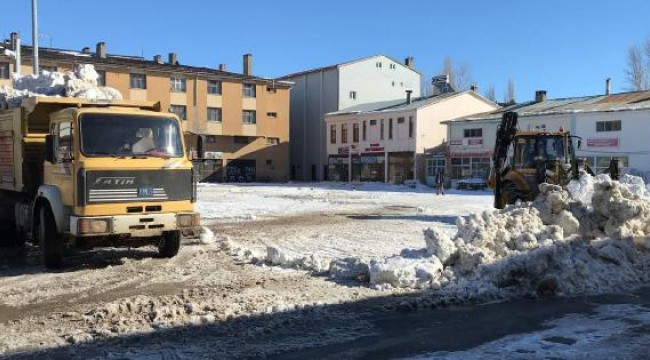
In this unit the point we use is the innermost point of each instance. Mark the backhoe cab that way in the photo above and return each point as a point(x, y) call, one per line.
point(523, 160)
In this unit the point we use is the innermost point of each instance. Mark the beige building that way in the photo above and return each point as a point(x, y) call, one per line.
point(243, 119)
point(384, 141)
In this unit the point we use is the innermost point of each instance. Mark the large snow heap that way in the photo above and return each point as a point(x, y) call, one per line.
point(80, 83)
point(594, 242)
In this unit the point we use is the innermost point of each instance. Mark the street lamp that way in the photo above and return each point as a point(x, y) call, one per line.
point(35, 35)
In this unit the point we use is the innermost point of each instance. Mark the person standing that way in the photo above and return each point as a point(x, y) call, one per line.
point(440, 183)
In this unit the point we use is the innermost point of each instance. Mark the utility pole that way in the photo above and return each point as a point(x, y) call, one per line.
point(35, 35)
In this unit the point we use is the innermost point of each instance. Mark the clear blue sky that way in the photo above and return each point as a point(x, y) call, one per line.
point(565, 47)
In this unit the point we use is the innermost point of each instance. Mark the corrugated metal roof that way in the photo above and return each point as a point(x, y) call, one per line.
point(137, 62)
point(396, 105)
point(637, 100)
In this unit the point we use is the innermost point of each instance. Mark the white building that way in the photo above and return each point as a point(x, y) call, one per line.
point(615, 125)
point(383, 141)
point(333, 88)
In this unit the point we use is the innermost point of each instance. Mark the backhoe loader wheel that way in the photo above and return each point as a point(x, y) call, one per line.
point(510, 194)
point(170, 244)
point(49, 239)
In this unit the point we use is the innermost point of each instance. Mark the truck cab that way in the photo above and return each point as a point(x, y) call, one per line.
point(111, 174)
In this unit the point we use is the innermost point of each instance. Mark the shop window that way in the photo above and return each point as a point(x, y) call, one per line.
point(435, 166)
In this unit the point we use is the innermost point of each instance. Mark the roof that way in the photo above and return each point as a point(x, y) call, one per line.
point(637, 100)
point(401, 105)
point(335, 66)
point(137, 62)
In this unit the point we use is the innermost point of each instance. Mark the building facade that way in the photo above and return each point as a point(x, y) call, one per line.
point(329, 89)
point(386, 141)
point(243, 119)
point(610, 125)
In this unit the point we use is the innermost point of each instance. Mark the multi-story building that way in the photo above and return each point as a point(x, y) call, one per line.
point(386, 141)
point(610, 125)
point(328, 89)
point(244, 119)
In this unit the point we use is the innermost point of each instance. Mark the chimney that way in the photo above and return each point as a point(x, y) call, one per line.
point(408, 96)
point(173, 58)
point(14, 41)
point(222, 67)
point(158, 59)
point(100, 51)
point(248, 64)
point(409, 62)
point(540, 96)
point(608, 86)
point(85, 50)
point(474, 88)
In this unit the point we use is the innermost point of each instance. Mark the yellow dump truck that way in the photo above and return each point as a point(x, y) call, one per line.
point(80, 173)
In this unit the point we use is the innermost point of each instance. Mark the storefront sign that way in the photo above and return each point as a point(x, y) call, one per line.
point(478, 141)
point(455, 142)
point(337, 160)
point(372, 159)
point(344, 150)
point(374, 148)
point(602, 142)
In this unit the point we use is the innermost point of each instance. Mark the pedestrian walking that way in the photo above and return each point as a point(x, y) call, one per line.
point(440, 183)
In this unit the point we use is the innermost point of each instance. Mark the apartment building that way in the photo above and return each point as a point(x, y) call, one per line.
point(243, 120)
point(386, 141)
point(317, 92)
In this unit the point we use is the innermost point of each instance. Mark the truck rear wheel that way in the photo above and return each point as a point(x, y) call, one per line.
point(49, 239)
point(169, 244)
point(510, 194)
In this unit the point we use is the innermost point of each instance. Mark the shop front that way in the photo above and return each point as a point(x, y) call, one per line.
point(372, 167)
point(400, 167)
point(470, 166)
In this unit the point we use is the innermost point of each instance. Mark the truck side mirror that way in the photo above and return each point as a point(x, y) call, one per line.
point(200, 150)
point(49, 149)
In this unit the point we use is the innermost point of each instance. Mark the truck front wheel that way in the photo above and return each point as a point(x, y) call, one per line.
point(49, 239)
point(170, 244)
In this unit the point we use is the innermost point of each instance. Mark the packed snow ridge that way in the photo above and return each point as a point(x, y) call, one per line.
point(591, 238)
point(80, 83)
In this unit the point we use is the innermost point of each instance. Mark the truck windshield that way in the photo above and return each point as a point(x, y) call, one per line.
point(129, 135)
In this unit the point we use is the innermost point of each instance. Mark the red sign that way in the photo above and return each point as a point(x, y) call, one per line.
point(374, 148)
point(602, 142)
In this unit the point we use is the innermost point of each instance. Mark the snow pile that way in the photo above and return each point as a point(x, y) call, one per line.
point(82, 83)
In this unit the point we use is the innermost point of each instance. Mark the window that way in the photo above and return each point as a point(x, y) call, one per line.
point(400, 120)
point(269, 162)
point(344, 133)
point(101, 77)
point(390, 128)
point(214, 87)
point(248, 90)
point(332, 134)
point(373, 122)
point(241, 140)
point(599, 164)
point(355, 132)
point(614, 125)
point(365, 131)
point(392, 66)
point(410, 126)
point(435, 166)
point(4, 71)
point(353, 95)
point(48, 68)
point(271, 90)
point(378, 64)
point(272, 141)
point(138, 81)
point(469, 133)
point(64, 141)
point(249, 117)
point(381, 130)
point(272, 115)
point(214, 114)
point(177, 84)
point(179, 110)
point(467, 168)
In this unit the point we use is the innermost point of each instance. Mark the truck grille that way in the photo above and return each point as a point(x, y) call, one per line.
point(111, 195)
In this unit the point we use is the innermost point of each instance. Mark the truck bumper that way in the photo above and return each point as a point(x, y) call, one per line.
point(139, 226)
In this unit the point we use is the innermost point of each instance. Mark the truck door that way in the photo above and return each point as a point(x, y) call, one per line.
point(60, 173)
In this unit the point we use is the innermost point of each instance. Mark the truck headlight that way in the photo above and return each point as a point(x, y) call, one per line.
point(93, 226)
point(188, 220)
